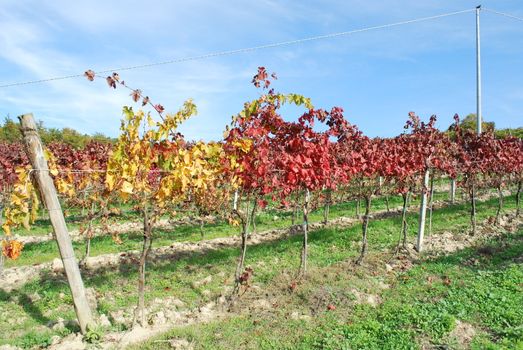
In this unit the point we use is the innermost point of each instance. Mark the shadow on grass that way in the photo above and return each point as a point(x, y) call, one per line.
point(27, 304)
point(189, 232)
point(494, 254)
point(227, 255)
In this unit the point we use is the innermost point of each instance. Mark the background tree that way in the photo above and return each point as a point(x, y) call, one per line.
point(469, 123)
point(10, 132)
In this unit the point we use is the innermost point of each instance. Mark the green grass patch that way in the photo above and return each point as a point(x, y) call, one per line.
point(26, 318)
point(35, 253)
point(421, 308)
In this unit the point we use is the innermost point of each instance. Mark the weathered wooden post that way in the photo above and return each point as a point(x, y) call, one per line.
point(35, 153)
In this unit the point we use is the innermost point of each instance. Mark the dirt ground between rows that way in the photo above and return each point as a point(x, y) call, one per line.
point(169, 313)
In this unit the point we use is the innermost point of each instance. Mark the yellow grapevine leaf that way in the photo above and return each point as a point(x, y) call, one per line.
point(110, 181)
point(127, 187)
point(7, 229)
point(150, 121)
point(12, 249)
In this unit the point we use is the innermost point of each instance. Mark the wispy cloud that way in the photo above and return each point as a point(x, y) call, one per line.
point(428, 65)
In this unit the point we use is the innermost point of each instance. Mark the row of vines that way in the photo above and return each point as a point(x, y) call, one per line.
point(263, 159)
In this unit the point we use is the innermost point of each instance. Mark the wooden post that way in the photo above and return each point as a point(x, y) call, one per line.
point(35, 153)
point(431, 202)
point(304, 251)
point(452, 190)
point(422, 211)
point(235, 203)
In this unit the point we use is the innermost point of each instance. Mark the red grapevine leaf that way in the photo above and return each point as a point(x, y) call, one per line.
point(111, 82)
point(159, 108)
point(89, 74)
point(136, 94)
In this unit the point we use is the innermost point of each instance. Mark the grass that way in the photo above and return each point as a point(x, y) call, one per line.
point(481, 287)
point(27, 312)
point(35, 253)
point(74, 218)
point(426, 303)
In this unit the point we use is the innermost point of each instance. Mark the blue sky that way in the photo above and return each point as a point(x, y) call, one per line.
point(377, 76)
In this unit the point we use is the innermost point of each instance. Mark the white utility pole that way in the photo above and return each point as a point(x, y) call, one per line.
point(479, 119)
point(423, 211)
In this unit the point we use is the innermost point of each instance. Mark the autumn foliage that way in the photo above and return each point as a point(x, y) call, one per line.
point(266, 157)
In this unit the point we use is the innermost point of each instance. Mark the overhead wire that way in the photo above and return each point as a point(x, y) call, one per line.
point(260, 47)
point(242, 50)
point(502, 14)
